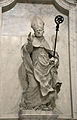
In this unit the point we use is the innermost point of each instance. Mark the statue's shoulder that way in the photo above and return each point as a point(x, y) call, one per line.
point(36, 43)
point(45, 45)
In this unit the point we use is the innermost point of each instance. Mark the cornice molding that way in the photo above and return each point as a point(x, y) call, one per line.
point(71, 2)
point(66, 4)
point(4, 3)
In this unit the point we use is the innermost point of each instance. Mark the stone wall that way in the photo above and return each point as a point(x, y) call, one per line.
point(15, 26)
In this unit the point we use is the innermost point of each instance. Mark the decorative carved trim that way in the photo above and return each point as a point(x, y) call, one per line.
point(70, 2)
point(4, 3)
point(66, 4)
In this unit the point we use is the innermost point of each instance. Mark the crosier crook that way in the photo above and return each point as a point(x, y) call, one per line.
point(58, 20)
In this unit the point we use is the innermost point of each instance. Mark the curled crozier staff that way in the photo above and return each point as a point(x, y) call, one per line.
point(58, 20)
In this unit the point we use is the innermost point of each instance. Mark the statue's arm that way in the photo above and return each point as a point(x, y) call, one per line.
point(51, 54)
point(26, 51)
point(55, 60)
point(27, 59)
point(29, 46)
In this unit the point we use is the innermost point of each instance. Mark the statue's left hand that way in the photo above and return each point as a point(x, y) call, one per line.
point(58, 86)
point(56, 54)
point(54, 61)
point(56, 58)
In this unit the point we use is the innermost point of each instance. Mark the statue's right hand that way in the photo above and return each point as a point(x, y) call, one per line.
point(29, 45)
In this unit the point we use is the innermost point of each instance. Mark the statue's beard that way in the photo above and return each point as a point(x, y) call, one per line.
point(38, 35)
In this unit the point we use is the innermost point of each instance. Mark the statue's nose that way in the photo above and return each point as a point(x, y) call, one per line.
point(38, 32)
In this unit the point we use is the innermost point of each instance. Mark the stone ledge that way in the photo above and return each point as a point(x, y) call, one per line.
point(8, 116)
point(37, 115)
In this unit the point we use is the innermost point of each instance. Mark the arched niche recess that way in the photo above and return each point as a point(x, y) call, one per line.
point(61, 4)
point(69, 9)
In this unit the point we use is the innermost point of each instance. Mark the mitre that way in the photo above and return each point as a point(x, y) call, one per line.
point(37, 23)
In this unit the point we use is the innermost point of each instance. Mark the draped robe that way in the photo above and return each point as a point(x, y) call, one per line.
point(41, 75)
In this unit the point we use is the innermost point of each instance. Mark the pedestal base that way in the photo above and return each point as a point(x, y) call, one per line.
point(37, 115)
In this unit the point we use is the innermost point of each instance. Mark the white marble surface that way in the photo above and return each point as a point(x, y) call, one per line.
point(10, 60)
point(73, 57)
point(16, 23)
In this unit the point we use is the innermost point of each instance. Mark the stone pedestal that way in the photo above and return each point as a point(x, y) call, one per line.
point(37, 115)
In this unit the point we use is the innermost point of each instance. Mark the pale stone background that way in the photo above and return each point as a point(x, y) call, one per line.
point(15, 28)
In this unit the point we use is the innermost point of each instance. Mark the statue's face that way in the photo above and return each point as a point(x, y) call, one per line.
point(39, 32)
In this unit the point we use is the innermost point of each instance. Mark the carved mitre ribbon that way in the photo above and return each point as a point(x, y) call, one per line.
point(37, 23)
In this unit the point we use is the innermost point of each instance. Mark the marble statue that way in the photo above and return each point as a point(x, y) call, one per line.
point(40, 69)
